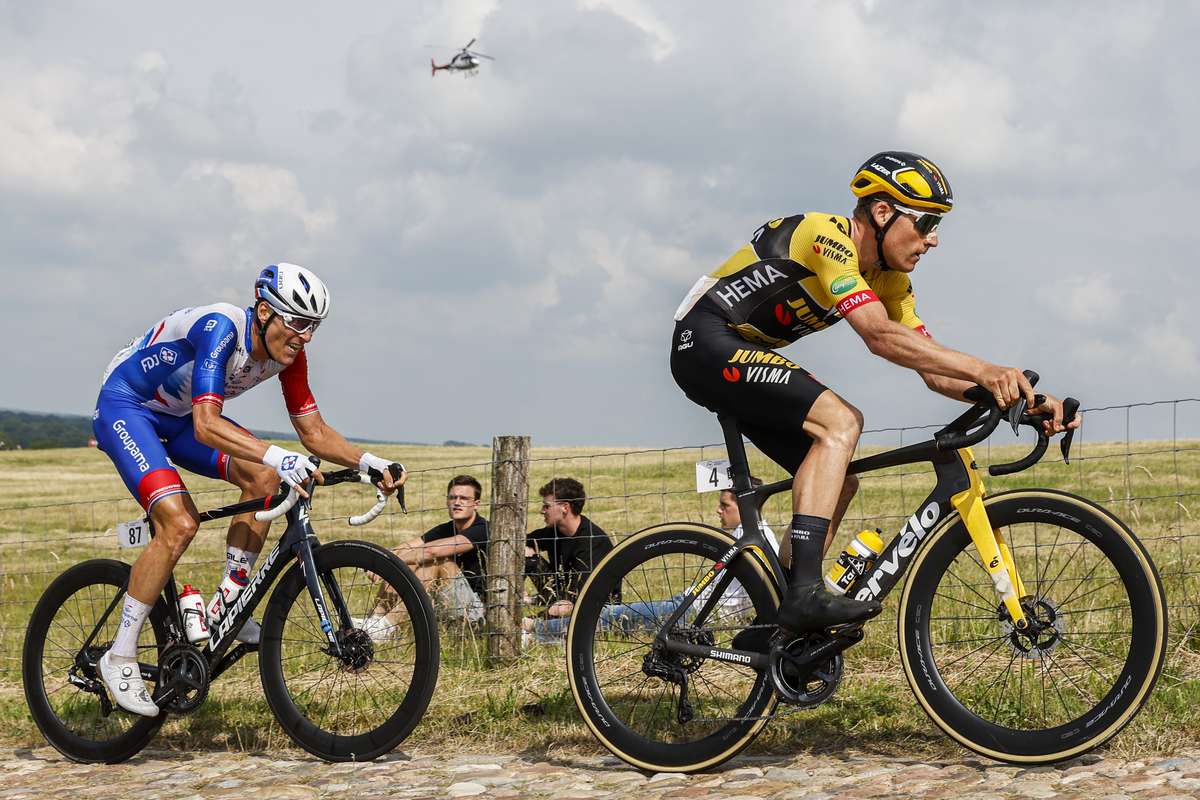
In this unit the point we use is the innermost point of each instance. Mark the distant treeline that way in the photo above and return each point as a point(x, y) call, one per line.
point(30, 431)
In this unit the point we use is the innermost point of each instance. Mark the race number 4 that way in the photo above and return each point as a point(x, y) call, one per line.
point(713, 475)
point(133, 534)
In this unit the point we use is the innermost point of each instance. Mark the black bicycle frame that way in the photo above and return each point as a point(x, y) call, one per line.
point(952, 477)
point(297, 542)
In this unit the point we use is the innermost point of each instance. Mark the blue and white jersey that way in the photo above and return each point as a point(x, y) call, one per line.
point(200, 355)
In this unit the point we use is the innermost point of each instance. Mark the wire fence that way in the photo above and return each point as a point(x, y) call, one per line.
point(1150, 478)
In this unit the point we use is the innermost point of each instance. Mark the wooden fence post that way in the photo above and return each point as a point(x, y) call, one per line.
point(506, 548)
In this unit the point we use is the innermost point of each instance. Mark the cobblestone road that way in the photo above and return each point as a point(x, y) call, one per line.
point(43, 773)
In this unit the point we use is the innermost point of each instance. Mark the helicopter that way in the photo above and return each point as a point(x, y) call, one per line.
point(465, 60)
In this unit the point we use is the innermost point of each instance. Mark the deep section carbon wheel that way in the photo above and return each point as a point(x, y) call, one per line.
point(661, 710)
point(361, 704)
point(72, 625)
point(1087, 661)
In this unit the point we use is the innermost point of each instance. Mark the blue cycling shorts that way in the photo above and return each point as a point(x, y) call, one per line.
point(145, 447)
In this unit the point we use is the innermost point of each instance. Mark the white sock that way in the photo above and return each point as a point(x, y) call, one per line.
point(233, 559)
point(133, 615)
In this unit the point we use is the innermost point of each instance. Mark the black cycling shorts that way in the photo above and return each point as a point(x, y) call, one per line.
point(769, 395)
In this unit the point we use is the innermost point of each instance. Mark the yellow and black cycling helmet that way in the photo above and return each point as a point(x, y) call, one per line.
point(908, 178)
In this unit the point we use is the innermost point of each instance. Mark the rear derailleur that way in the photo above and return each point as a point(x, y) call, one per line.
point(676, 667)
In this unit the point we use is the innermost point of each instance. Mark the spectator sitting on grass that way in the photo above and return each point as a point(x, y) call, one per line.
point(560, 557)
point(648, 615)
point(448, 559)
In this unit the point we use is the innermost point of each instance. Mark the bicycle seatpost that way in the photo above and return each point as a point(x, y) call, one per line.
point(737, 453)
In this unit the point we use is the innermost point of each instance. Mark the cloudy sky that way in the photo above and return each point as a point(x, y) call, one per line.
point(505, 251)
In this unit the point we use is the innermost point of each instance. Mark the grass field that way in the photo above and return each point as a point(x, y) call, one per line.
point(58, 507)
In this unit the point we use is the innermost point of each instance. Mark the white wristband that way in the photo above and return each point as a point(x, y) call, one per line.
point(369, 462)
point(274, 456)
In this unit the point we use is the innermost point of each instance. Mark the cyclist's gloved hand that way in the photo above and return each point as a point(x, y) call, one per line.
point(389, 483)
point(293, 468)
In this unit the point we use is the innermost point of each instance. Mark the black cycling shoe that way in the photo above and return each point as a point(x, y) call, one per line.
point(811, 607)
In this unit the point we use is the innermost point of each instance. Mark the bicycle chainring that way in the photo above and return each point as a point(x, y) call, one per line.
point(800, 684)
point(184, 669)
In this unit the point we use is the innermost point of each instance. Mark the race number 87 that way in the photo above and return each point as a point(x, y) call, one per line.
point(133, 533)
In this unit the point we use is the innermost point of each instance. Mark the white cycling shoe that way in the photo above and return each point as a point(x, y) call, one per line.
point(250, 633)
point(125, 684)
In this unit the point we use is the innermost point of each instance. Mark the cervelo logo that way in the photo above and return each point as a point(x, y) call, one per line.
point(216, 353)
point(130, 446)
point(911, 535)
point(741, 288)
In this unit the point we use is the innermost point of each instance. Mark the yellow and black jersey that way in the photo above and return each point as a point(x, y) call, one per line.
point(799, 275)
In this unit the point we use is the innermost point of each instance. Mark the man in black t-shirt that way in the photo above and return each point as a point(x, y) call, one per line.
point(450, 558)
point(560, 557)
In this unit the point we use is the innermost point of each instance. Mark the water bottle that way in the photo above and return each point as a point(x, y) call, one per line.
point(854, 561)
point(195, 621)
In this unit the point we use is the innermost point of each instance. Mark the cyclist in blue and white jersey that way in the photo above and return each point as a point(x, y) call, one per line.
point(160, 406)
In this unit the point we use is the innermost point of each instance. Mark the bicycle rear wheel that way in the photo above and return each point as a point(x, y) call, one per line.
point(58, 664)
point(1095, 648)
point(360, 706)
point(616, 673)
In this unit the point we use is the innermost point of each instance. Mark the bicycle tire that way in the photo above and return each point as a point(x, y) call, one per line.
point(61, 621)
point(683, 552)
point(1105, 565)
point(288, 629)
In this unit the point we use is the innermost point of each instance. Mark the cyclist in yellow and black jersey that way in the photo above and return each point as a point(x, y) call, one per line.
point(799, 275)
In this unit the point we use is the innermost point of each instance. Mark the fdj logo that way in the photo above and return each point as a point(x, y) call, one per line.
point(288, 463)
point(168, 356)
point(149, 362)
point(208, 326)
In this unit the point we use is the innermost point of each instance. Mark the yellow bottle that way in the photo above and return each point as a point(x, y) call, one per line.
point(854, 561)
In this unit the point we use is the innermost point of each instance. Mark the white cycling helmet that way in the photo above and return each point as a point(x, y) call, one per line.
point(294, 290)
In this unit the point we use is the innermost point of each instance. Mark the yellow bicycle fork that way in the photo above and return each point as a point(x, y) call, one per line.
point(993, 550)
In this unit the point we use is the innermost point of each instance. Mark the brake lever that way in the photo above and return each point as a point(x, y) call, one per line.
point(397, 471)
point(1016, 412)
point(1070, 406)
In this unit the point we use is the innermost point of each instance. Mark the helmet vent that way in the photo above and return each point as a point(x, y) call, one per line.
point(300, 300)
point(304, 281)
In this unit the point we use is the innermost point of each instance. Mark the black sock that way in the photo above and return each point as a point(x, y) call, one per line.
point(808, 546)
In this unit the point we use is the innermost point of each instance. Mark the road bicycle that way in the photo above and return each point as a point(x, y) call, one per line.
point(1031, 629)
point(338, 693)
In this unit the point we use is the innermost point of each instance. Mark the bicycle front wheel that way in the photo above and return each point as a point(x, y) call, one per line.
point(362, 704)
point(1096, 643)
point(666, 711)
point(72, 625)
